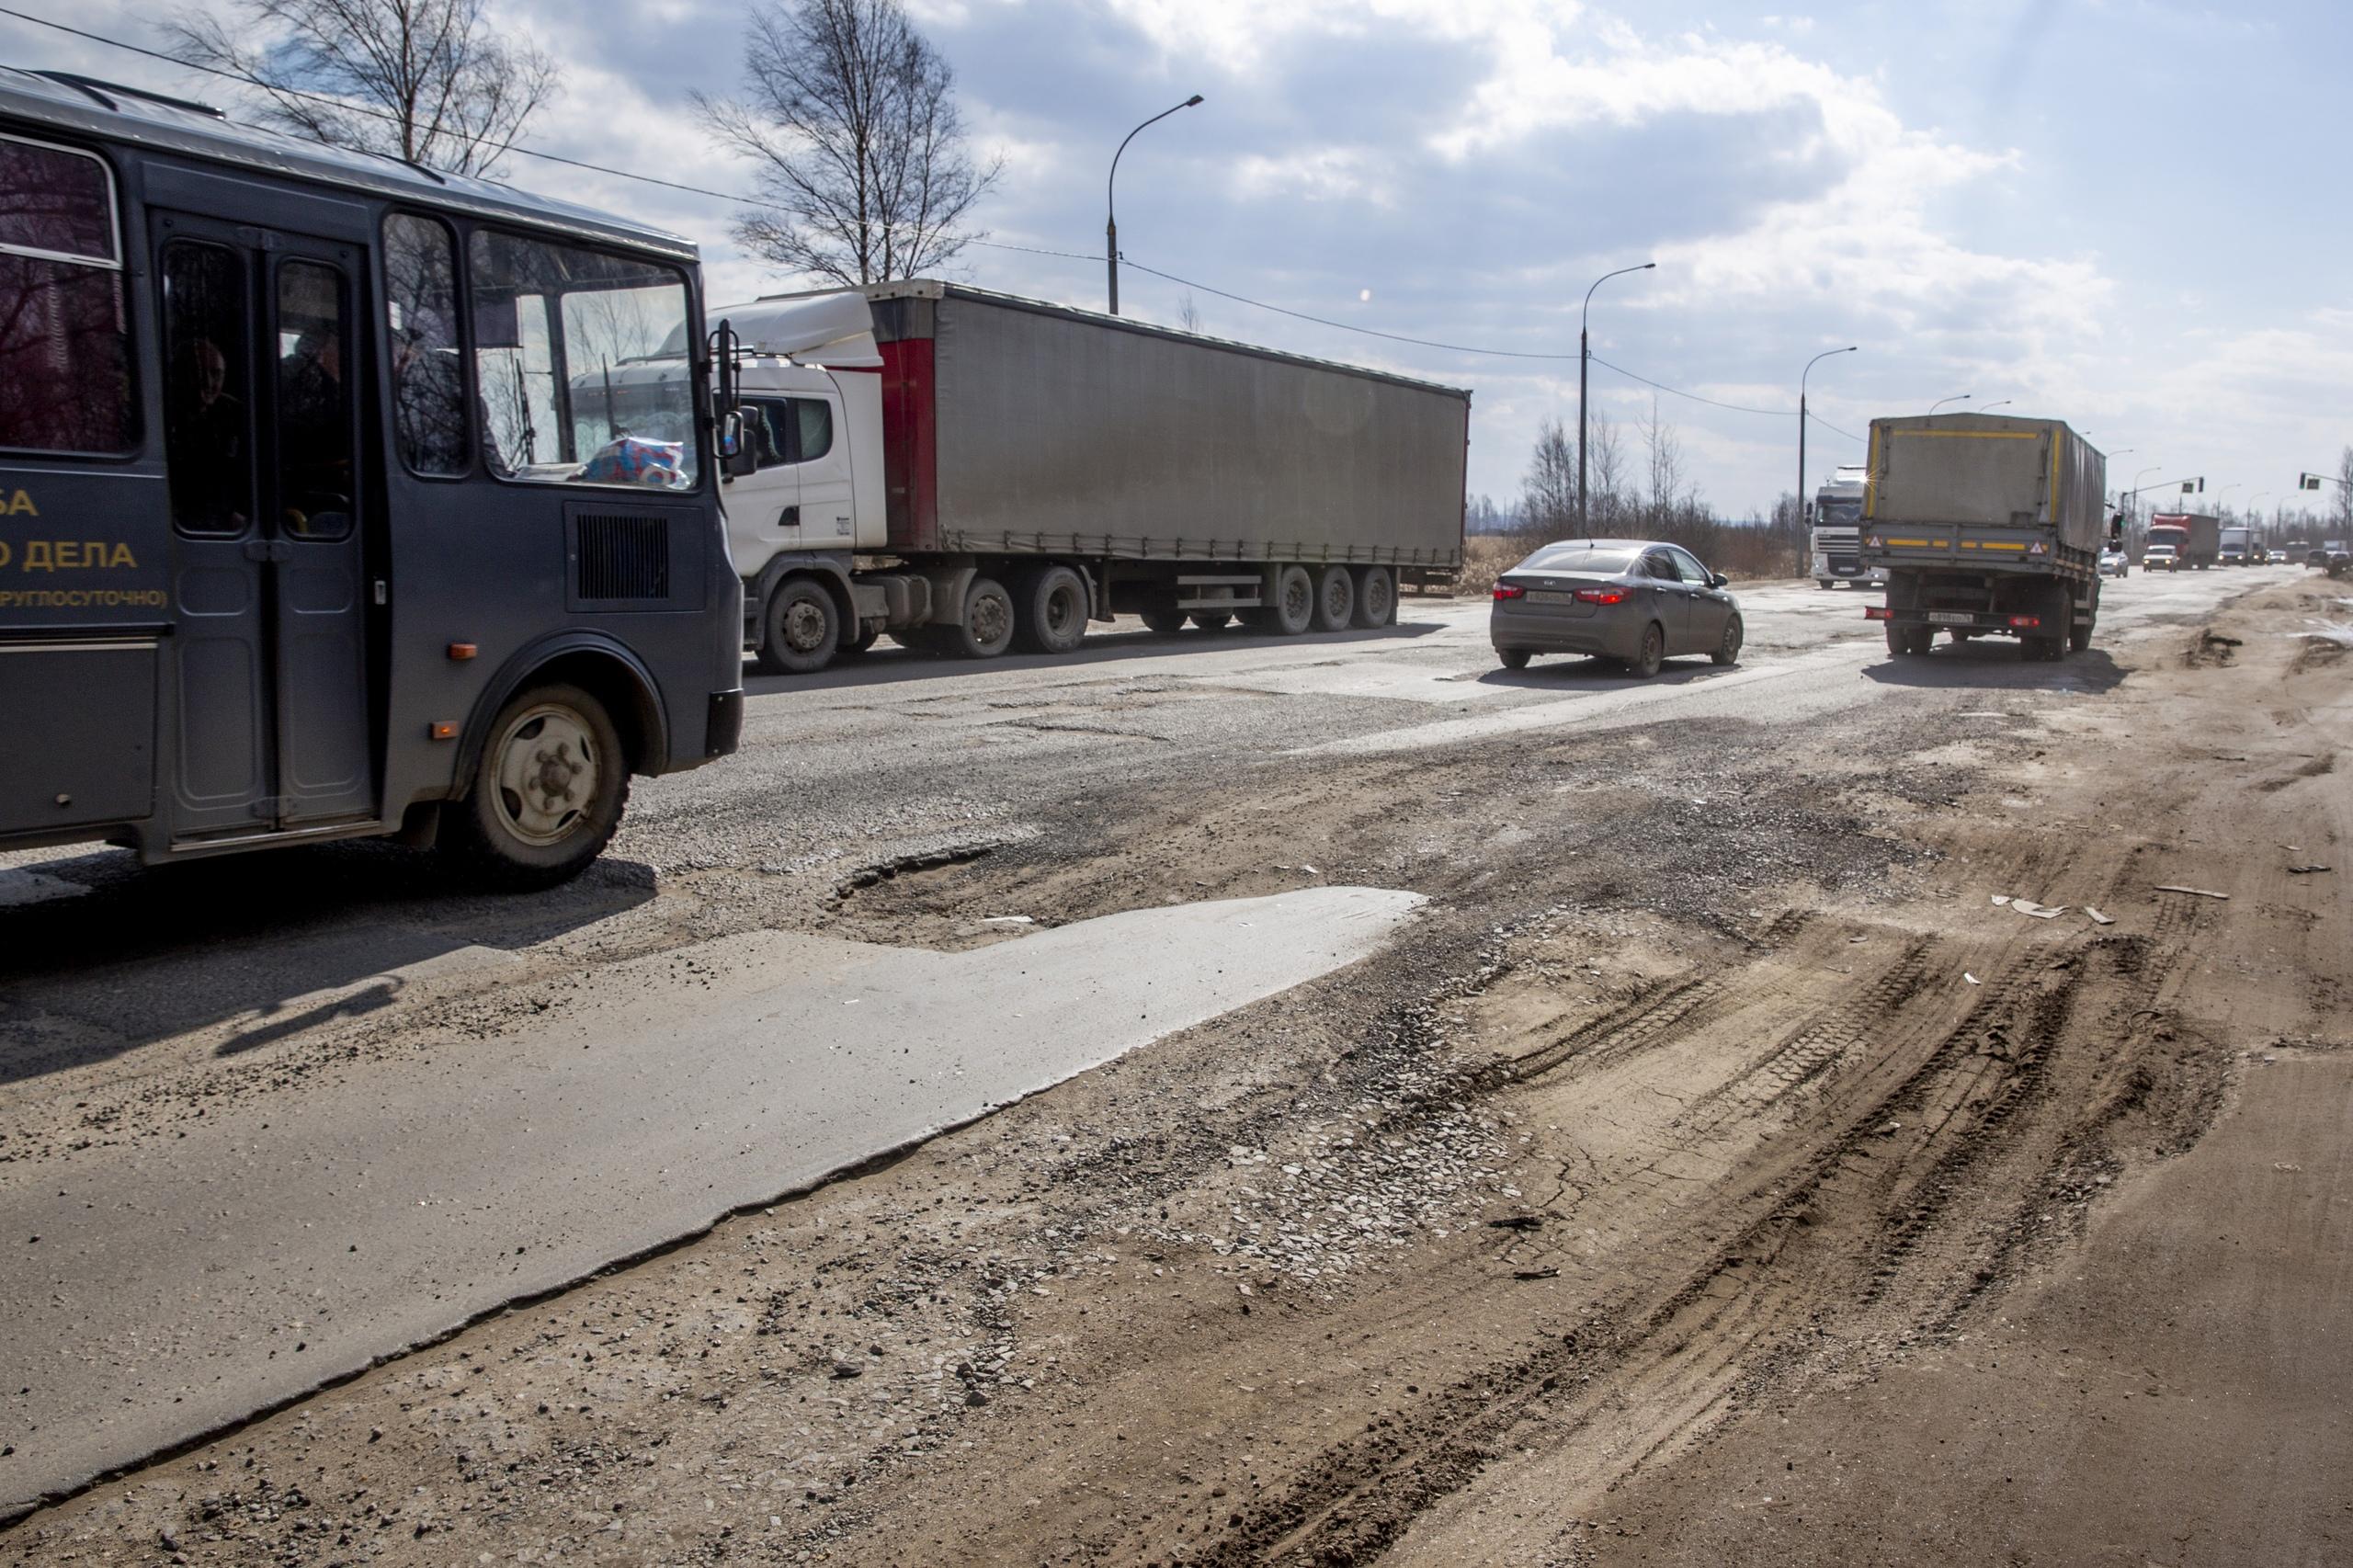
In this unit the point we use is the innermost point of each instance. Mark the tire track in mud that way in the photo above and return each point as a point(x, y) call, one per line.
point(1940, 1142)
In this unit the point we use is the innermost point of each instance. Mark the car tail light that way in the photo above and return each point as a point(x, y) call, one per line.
point(1601, 596)
point(2026, 621)
point(1510, 591)
point(1877, 612)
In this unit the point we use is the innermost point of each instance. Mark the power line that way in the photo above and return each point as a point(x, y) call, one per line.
point(347, 106)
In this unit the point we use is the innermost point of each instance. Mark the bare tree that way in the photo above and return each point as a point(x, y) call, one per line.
point(850, 122)
point(1663, 459)
point(1188, 314)
point(1606, 500)
point(1547, 495)
point(425, 81)
point(2343, 511)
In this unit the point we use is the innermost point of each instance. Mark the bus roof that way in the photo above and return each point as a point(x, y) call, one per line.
point(54, 100)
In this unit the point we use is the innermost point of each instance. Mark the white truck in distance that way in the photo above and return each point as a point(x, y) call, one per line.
point(970, 472)
point(1838, 530)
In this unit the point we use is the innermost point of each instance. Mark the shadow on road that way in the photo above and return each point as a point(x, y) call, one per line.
point(890, 665)
point(1995, 664)
point(147, 954)
point(1571, 673)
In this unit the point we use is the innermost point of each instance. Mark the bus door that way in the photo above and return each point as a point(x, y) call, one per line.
point(262, 353)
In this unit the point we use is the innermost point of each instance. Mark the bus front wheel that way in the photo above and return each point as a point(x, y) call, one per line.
point(547, 793)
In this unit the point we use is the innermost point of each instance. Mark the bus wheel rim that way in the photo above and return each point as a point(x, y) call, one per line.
point(547, 776)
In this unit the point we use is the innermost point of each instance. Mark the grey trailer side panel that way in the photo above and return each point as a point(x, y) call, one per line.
point(1059, 432)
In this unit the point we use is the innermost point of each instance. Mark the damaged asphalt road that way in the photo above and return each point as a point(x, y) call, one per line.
point(1685, 1011)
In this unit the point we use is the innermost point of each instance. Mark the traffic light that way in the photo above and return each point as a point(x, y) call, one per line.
point(2308, 481)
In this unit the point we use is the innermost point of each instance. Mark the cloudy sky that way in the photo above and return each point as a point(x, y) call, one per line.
point(2127, 213)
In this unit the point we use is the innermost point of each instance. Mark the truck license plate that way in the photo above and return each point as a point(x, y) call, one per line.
point(1951, 617)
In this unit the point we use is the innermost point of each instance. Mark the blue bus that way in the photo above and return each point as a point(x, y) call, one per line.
point(313, 522)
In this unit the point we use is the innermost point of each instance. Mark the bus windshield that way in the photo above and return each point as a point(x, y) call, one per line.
point(554, 326)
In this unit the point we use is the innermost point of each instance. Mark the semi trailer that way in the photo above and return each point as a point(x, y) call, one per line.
point(1987, 525)
point(970, 472)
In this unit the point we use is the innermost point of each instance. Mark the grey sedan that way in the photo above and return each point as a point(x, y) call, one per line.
point(1633, 602)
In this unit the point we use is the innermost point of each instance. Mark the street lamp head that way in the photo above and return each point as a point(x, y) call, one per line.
point(1188, 103)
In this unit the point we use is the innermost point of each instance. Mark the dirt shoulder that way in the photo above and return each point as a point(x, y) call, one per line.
point(1714, 1111)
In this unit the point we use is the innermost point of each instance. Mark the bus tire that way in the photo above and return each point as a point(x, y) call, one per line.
point(801, 626)
point(546, 794)
point(1050, 613)
point(1376, 599)
point(987, 631)
point(1335, 599)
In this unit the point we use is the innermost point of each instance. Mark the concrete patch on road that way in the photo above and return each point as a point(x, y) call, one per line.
point(288, 1242)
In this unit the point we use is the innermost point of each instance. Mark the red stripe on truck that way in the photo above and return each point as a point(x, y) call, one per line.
point(911, 444)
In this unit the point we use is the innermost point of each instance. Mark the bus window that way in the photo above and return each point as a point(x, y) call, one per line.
point(568, 356)
point(208, 389)
point(421, 311)
point(64, 343)
point(314, 471)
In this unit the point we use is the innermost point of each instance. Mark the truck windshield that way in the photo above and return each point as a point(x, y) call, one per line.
point(1839, 514)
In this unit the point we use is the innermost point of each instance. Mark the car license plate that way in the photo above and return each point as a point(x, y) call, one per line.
point(1550, 596)
point(1951, 617)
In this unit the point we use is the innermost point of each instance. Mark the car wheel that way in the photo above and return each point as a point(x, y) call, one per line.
point(547, 792)
point(1646, 663)
point(1051, 616)
point(799, 629)
point(1513, 658)
point(1728, 651)
point(988, 621)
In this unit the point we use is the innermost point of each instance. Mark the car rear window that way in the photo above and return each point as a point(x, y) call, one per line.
point(1577, 558)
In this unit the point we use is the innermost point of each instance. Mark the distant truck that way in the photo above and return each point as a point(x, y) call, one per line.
point(2236, 547)
point(2196, 539)
point(1985, 525)
point(1838, 531)
point(971, 472)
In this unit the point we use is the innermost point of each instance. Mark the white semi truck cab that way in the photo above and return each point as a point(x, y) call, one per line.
point(1837, 530)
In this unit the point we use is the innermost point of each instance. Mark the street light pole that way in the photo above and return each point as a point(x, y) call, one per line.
point(1942, 401)
point(1992, 406)
point(1805, 512)
point(1111, 211)
point(1585, 356)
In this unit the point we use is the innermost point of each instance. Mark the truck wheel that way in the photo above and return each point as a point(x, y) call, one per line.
point(1376, 599)
point(1335, 599)
point(799, 629)
point(1728, 651)
point(1165, 621)
point(1900, 642)
point(1212, 619)
point(1513, 658)
point(2079, 639)
point(988, 621)
point(867, 631)
point(1053, 611)
point(1645, 663)
point(547, 792)
point(1293, 610)
point(1825, 582)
